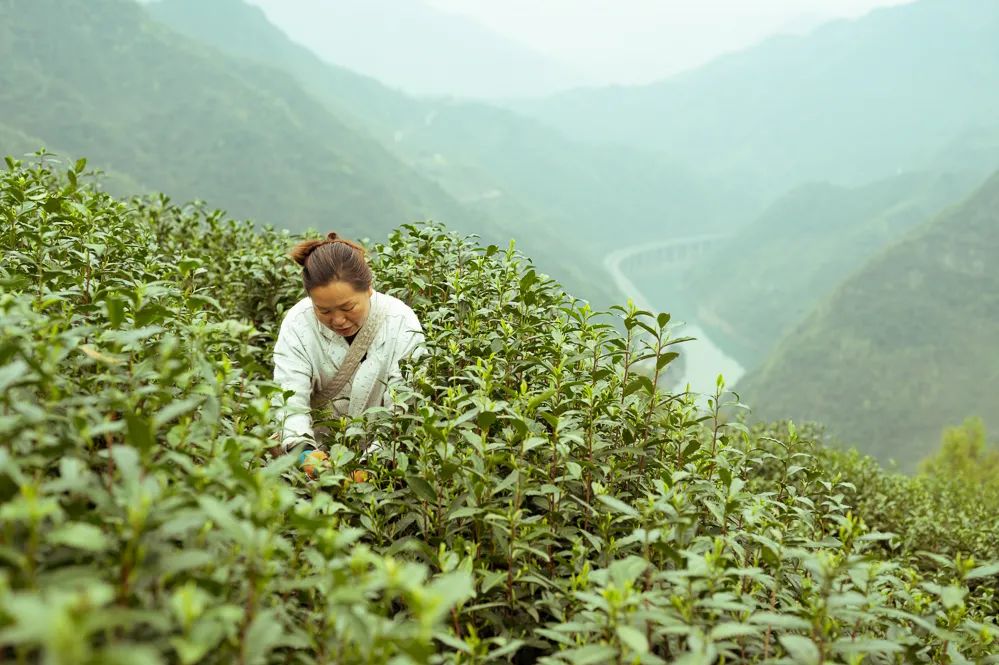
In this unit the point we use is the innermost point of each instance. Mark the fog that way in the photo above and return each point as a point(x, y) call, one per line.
point(546, 46)
point(639, 41)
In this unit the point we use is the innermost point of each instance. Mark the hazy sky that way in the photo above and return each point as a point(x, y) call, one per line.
point(637, 41)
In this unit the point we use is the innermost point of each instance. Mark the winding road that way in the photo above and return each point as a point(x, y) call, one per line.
point(704, 360)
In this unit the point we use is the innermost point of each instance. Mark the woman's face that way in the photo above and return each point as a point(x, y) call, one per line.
point(340, 307)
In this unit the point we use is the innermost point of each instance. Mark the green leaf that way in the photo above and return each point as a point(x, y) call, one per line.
point(697, 658)
point(186, 265)
point(691, 447)
point(628, 569)
point(485, 419)
point(533, 442)
point(490, 578)
point(952, 596)
point(126, 460)
point(262, 636)
point(801, 649)
point(13, 373)
point(637, 384)
point(538, 399)
point(785, 621)
point(591, 654)
point(617, 505)
point(116, 311)
point(126, 337)
point(464, 511)
point(633, 638)
point(186, 560)
point(176, 410)
point(866, 646)
point(729, 630)
point(140, 431)
point(421, 488)
point(666, 359)
point(987, 570)
point(122, 654)
point(529, 278)
point(81, 536)
point(453, 642)
point(451, 588)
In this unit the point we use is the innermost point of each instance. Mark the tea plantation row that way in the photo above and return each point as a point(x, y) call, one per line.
point(538, 499)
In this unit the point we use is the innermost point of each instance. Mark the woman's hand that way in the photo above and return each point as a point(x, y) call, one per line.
point(311, 460)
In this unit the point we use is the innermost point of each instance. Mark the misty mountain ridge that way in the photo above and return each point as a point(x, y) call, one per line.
point(273, 132)
point(852, 101)
point(555, 195)
point(905, 346)
point(141, 100)
point(418, 48)
point(770, 273)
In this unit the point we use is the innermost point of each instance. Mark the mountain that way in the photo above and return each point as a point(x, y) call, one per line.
point(851, 102)
point(771, 273)
point(238, 28)
point(99, 77)
point(415, 47)
point(903, 348)
point(567, 202)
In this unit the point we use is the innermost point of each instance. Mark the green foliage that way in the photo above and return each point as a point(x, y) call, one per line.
point(537, 498)
point(142, 519)
point(930, 516)
point(793, 256)
point(556, 196)
point(102, 78)
point(903, 347)
point(965, 455)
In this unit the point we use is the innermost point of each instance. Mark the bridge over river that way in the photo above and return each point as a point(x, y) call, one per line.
point(703, 359)
point(655, 254)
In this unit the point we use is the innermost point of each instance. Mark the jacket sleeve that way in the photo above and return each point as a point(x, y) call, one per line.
point(409, 342)
point(293, 371)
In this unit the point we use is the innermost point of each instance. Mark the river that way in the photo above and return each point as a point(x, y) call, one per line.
point(703, 360)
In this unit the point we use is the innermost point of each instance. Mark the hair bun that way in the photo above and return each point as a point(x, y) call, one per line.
point(300, 252)
point(332, 236)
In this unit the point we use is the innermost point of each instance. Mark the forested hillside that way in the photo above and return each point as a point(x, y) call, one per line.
point(163, 112)
point(771, 273)
point(536, 498)
point(905, 346)
point(851, 102)
point(101, 77)
point(558, 197)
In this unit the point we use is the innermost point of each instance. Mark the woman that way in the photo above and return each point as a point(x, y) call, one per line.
point(340, 346)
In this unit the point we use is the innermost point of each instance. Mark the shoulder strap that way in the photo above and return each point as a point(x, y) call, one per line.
point(360, 345)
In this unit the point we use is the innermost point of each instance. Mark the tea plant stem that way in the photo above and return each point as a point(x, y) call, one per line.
point(767, 633)
point(588, 478)
point(715, 424)
point(251, 610)
point(509, 561)
point(627, 363)
point(652, 406)
point(109, 442)
point(86, 285)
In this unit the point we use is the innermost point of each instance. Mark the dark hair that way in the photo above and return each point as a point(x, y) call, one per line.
point(332, 260)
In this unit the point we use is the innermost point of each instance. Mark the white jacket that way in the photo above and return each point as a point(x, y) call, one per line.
point(307, 355)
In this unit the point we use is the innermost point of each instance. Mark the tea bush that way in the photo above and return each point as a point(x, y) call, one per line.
point(539, 499)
